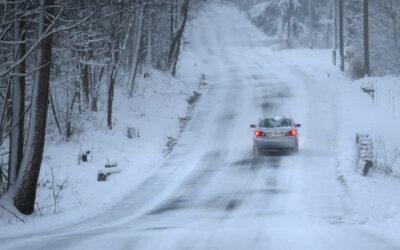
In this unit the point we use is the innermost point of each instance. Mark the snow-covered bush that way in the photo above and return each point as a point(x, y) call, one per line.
point(387, 160)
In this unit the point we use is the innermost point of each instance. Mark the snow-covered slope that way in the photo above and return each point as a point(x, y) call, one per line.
point(373, 200)
point(68, 189)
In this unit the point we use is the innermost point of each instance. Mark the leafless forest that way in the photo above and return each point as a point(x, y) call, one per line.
point(316, 24)
point(59, 59)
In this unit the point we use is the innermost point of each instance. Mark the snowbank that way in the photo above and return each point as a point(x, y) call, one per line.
point(373, 200)
point(382, 119)
point(360, 112)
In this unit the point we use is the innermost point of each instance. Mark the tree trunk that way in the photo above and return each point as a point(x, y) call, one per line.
point(310, 20)
point(18, 107)
point(335, 32)
point(136, 49)
point(94, 103)
point(5, 107)
point(341, 34)
point(111, 88)
point(2, 189)
point(85, 82)
point(172, 17)
point(289, 24)
point(25, 193)
point(115, 52)
point(366, 37)
point(70, 109)
point(176, 41)
point(95, 83)
point(149, 39)
point(54, 110)
point(176, 13)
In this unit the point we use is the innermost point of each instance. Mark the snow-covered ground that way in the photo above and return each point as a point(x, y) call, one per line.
point(209, 193)
point(373, 200)
point(154, 114)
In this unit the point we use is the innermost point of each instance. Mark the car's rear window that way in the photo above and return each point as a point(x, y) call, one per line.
point(275, 123)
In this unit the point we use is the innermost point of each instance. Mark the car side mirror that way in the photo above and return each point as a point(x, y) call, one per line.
point(298, 125)
point(252, 126)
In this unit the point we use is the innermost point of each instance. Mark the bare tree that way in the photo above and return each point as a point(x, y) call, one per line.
point(25, 193)
point(366, 37)
point(310, 5)
point(18, 101)
point(289, 23)
point(177, 38)
point(94, 41)
point(389, 11)
point(137, 47)
point(341, 34)
point(115, 50)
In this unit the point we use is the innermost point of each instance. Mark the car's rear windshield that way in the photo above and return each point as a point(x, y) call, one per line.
point(275, 123)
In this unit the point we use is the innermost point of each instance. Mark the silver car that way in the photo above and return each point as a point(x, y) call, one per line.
point(275, 133)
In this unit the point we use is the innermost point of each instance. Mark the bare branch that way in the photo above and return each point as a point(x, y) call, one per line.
point(14, 214)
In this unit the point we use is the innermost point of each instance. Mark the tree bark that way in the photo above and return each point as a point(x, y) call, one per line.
point(95, 83)
point(115, 55)
point(25, 193)
point(149, 38)
point(176, 14)
point(85, 82)
point(137, 49)
point(289, 24)
point(172, 17)
point(366, 37)
point(111, 89)
point(341, 34)
point(173, 55)
point(310, 19)
point(70, 109)
point(17, 106)
point(54, 110)
point(335, 32)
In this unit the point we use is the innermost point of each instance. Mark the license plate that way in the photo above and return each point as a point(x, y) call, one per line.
point(275, 134)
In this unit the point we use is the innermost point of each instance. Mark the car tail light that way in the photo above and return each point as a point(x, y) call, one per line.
point(292, 132)
point(259, 133)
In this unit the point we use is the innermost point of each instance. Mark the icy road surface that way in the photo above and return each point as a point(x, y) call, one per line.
point(209, 193)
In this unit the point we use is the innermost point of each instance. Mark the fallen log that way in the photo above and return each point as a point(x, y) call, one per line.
point(103, 174)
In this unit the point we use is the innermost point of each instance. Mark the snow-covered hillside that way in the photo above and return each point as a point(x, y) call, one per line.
point(68, 189)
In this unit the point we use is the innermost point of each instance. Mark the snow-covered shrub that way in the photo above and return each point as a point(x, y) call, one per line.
point(132, 132)
point(387, 160)
point(170, 144)
point(52, 187)
point(193, 98)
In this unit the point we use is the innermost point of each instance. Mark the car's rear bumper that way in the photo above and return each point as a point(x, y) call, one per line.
point(276, 144)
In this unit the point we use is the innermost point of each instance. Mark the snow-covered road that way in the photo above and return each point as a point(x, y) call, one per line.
point(209, 193)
